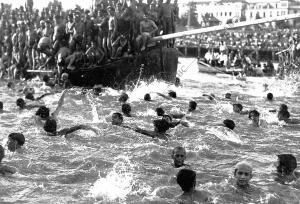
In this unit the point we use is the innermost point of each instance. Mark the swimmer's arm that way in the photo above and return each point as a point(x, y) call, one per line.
point(178, 116)
point(245, 112)
point(144, 132)
point(42, 96)
point(67, 131)
point(4, 169)
point(59, 105)
point(164, 96)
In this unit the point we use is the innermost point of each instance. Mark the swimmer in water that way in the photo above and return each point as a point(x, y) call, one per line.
point(178, 156)
point(126, 109)
point(270, 97)
point(285, 168)
point(173, 124)
point(229, 124)
point(177, 82)
point(254, 117)
point(159, 111)
point(238, 108)
point(22, 104)
point(186, 179)
point(97, 89)
point(284, 115)
point(171, 95)
point(123, 98)
point(147, 97)
point(243, 175)
point(4, 169)
point(51, 128)
point(15, 142)
point(1, 108)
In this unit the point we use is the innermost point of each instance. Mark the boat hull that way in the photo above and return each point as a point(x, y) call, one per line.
point(208, 69)
point(160, 63)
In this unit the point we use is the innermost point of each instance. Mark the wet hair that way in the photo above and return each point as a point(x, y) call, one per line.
point(240, 106)
point(179, 148)
point(253, 113)
point(186, 179)
point(147, 97)
point(270, 96)
point(159, 111)
point(287, 164)
point(124, 97)
point(1, 105)
point(46, 78)
point(43, 112)
point(19, 137)
point(192, 105)
point(172, 94)
point(229, 124)
point(20, 101)
point(283, 107)
point(117, 114)
point(242, 163)
point(161, 125)
point(97, 90)
point(126, 109)
point(29, 96)
point(228, 95)
point(10, 84)
point(50, 126)
point(2, 154)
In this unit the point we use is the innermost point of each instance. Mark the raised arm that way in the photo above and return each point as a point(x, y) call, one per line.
point(59, 105)
point(67, 131)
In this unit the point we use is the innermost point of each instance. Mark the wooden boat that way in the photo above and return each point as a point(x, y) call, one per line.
point(208, 69)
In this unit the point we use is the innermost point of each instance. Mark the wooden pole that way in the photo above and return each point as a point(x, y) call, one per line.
point(225, 27)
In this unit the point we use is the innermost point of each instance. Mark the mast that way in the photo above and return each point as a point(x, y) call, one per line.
point(225, 27)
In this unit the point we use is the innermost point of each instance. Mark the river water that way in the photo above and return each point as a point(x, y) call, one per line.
point(121, 166)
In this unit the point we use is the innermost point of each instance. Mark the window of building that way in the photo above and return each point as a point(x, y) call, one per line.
point(277, 13)
point(229, 13)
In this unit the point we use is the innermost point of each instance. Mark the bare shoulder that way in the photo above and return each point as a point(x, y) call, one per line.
point(5, 170)
point(202, 196)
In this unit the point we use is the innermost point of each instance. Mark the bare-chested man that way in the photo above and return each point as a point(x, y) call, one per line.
point(147, 30)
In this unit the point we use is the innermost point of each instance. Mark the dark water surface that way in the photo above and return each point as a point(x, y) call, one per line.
point(121, 166)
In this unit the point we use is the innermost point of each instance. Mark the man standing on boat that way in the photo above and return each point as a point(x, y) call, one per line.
point(166, 17)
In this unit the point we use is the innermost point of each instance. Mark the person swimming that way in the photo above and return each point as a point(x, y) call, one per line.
point(170, 96)
point(159, 111)
point(186, 179)
point(160, 128)
point(97, 89)
point(284, 115)
point(126, 109)
point(229, 124)
point(179, 156)
point(177, 82)
point(243, 174)
point(22, 104)
point(270, 97)
point(50, 127)
point(172, 123)
point(238, 108)
point(147, 97)
point(285, 168)
point(228, 95)
point(123, 98)
point(15, 141)
point(254, 117)
point(4, 169)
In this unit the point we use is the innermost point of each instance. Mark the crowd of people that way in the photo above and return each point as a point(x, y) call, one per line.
point(186, 176)
point(261, 38)
point(33, 39)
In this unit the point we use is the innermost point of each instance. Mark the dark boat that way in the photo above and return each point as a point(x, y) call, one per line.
point(158, 61)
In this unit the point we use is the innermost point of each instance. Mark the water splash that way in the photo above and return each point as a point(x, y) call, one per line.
point(117, 184)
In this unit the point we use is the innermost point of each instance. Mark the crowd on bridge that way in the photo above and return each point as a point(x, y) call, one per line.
point(33, 39)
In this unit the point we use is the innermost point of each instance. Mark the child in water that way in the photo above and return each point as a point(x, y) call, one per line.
point(285, 168)
point(243, 174)
point(4, 169)
point(178, 156)
point(186, 179)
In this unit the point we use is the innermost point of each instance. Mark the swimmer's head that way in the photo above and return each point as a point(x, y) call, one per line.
point(15, 141)
point(254, 116)
point(147, 97)
point(270, 96)
point(29, 96)
point(178, 156)
point(286, 164)
point(97, 90)
point(21, 103)
point(161, 126)
point(160, 111)
point(172, 94)
point(50, 126)
point(167, 118)
point(46, 78)
point(237, 107)
point(228, 95)
point(117, 119)
point(27, 90)
point(43, 112)
point(11, 85)
point(243, 173)
point(124, 97)
point(186, 179)
point(64, 76)
point(192, 106)
point(1, 105)
point(2, 154)
point(126, 109)
point(283, 107)
point(229, 124)
point(177, 81)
